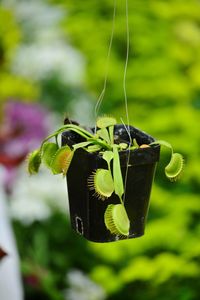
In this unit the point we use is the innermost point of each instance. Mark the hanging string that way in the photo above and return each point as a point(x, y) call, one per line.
point(126, 63)
point(100, 99)
point(127, 127)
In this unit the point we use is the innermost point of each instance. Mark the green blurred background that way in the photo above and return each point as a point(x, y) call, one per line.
point(54, 53)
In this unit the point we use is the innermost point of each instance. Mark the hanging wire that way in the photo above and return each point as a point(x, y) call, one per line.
point(126, 63)
point(100, 99)
point(127, 127)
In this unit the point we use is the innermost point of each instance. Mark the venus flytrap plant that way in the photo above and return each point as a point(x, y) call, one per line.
point(103, 181)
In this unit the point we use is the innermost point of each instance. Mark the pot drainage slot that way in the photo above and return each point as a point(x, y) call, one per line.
point(79, 225)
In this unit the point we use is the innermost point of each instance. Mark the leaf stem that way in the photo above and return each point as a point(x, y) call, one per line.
point(82, 132)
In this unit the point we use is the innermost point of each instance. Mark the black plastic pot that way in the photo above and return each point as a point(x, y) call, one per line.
point(86, 210)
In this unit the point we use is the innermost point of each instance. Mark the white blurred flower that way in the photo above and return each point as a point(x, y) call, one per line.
point(44, 51)
point(82, 288)
point(41, 60)
point(35, 14)
point(9, 269)
point(37, 197)
point(86, 114)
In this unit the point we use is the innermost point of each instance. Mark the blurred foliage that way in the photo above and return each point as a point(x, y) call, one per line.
point(50, 252)
point(21, 47)
point(11, 86)
point(163, 87)
point(9, 35)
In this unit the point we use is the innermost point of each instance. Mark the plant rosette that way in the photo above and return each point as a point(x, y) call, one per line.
point(110, 170)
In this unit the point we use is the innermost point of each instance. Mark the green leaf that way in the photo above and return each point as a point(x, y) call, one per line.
point(116, 219)
point(117, 174)
point(111, 133)
point(93, 148)
point(103, 133)
point(123, 146)
point(108, 156)
point(82, 145)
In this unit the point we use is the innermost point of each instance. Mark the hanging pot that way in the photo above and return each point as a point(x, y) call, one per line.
point(86, 210)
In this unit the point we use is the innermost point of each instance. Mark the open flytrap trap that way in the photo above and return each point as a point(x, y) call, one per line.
point(109, 169)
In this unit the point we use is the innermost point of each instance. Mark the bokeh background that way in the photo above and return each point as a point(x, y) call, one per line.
point(52, 64)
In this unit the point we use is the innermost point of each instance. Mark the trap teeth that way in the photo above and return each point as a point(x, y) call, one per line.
point(102, 183)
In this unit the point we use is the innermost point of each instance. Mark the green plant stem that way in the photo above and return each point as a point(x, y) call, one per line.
point(111, 133)
point(82, 132)
point(56, 138)
point(117, 174)
point(101, 143)
point(162, 143)
point(77, 129)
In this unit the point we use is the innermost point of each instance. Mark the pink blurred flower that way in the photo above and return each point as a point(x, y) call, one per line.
point(25, 125)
